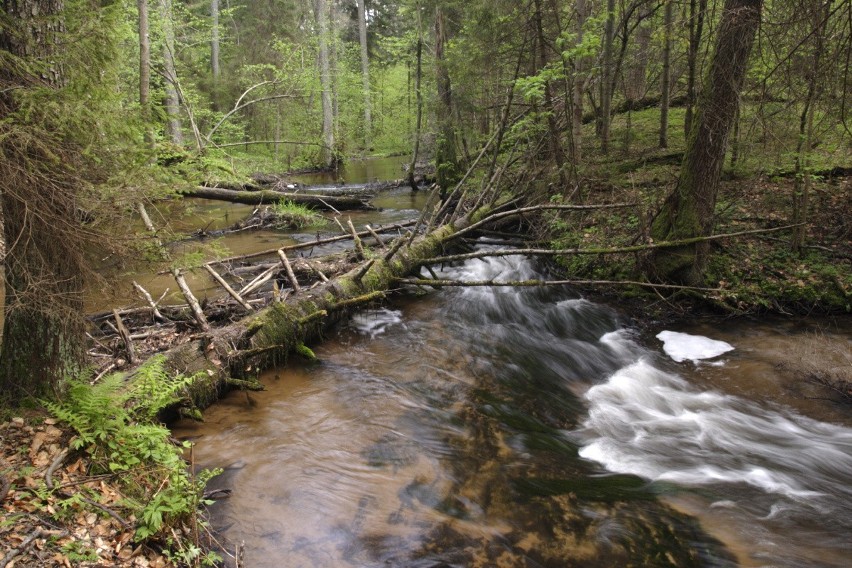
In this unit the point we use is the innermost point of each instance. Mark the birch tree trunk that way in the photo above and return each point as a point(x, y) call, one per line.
point(214, 39)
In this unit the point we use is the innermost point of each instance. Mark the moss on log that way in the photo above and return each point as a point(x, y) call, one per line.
point(264, 339)
point(268, 196)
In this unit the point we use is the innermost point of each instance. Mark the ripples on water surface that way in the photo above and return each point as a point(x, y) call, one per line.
point(485, 427)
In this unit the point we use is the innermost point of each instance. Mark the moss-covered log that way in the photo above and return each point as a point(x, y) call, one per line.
point(268, 196)
point(264, 339)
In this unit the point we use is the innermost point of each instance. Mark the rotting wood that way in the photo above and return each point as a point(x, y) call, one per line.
point(125, 336)
point(268, 197)
point(233, 293)
point(269, 334)
point(356, 239)
point(197, 312)
point(290, 276)
point(376, 236)
point(155, 311)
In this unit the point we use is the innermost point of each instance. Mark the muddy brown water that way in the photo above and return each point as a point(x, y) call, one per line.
point(477, 427)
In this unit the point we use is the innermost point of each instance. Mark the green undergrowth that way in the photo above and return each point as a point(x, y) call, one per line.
point(294, 216)
point(117, 429)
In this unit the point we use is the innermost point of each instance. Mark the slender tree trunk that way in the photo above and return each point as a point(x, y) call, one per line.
point(365, 74)
point(446, 161)
point(419, 96)
point(214, 39)
point(689, 210)
point(145, 70)
point(803, 181)
point(321, 16)
point(696, 29)
point(579, 85)
point(665, 82)
point(174, 128)
point(43, 339)
point(555, 137)
point(606, 75)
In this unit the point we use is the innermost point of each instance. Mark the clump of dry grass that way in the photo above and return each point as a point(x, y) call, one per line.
point(826, 361)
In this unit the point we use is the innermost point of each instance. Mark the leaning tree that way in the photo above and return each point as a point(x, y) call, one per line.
point(688, 212)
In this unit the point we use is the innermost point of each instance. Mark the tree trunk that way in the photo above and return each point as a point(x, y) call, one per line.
point(365, 75)
point(214, 40)
point(321, 16)
point(579, 86)
point(43, 340)
point(555, 137)
point(145, 70)
point(689, 210)
point(606, 75)
point(696, 29)
point(802, 184)
point(268, 197)
point(446, 160)
point(173, 126)
point(264, 339)
point(665, 81)
point(419, 96)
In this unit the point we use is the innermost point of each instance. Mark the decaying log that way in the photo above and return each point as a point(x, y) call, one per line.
point(233, 293)
point(267, 196)
point(125, 336)
point(197, 312)
point(264, 338)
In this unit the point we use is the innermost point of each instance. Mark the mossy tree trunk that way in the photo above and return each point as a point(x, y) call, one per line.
point(688, 211)
point(264, 339)
point(43, 328)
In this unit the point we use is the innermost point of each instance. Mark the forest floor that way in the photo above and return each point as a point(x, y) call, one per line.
point(45, 521)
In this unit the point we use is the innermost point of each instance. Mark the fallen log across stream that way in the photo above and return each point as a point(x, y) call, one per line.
point(268, 196)
point(239, 351)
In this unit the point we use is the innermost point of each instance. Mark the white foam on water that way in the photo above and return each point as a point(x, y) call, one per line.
point(376, 322)
point(683, 346)
point(646, 422)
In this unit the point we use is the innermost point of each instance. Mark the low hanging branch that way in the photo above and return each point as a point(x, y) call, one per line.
point(602, 250)
point(535, 208)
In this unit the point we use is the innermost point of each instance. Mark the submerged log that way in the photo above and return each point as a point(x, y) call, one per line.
point(267, 196)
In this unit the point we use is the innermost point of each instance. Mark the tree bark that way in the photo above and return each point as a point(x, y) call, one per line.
point(606, 75)
point(365, 74)
point(321, 17)
point(446, 160)
point(214, 40)
point(173, 126)
point(268, 196)
point(689, 210)
point(665, 81)
point(145, 70)
point(579, 86)
point(43, 339)
point(264, 339)
point(696, 29)
point(419, 95)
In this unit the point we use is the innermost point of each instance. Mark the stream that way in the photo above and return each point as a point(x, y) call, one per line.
point(522, 427)
point(530, 427)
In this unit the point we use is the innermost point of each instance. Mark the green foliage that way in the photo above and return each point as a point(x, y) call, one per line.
point(116, 425)
point(294, 216)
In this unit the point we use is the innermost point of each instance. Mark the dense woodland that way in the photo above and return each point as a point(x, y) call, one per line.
point(706, 117)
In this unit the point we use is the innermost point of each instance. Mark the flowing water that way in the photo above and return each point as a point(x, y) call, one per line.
point(532, 427)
